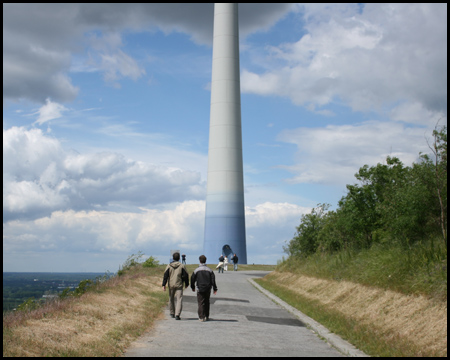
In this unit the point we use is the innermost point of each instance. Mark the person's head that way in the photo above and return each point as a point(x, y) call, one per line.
point(176, 256)
point(202, 259)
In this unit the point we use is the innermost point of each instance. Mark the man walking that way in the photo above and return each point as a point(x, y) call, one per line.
point(235, 262)
point(205, 279)
point(176, 274)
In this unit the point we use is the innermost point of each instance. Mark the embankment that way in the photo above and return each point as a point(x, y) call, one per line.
point(413, 321)
point(102, 322)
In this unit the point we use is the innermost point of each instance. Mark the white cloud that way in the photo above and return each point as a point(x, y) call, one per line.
point(120, 64)
point(268, 227)
point(333, 154)
point(152, 231)
point(28, 153)
point(49, 111)
point(273, 214)
point(368, 60)
point(39, 175)
point(106, 56)
point(416, 113)
point(107, 233)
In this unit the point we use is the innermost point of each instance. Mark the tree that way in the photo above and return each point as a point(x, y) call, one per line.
point(306, 239)
point(336, 233)
point(391, 202)
point(359, 209)
point(438, 185)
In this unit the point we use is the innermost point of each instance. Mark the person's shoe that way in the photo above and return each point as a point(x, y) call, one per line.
point(201, 320)
point(177, 317)
point(172, 316)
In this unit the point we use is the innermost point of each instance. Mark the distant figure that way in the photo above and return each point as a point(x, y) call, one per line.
point(176, 274)
point(225, 264)
point(204, 277)
point(235, 262)
point(183, 259)
point(220, 264)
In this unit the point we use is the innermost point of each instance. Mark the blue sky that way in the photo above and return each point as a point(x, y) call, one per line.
point(106, 117)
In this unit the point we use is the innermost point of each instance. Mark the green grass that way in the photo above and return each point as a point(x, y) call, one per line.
point(419, 269)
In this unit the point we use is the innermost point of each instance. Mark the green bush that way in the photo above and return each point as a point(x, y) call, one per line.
point(151, 262)
point(79, 290)
point(134, 260)
point(29, 305)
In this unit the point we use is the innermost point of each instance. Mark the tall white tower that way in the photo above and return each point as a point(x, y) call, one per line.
point(225, 216)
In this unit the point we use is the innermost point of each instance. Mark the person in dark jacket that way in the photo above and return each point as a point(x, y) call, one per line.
point(205, 279)
point(220, 265)
point(176, 274)
point(235, 262)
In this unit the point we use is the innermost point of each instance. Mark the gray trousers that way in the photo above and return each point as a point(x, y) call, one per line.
point(175, 301)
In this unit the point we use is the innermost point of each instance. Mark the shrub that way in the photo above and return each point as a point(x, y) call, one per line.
point(150, 262)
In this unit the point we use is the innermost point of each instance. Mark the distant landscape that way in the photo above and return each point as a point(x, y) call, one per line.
point(21, 286)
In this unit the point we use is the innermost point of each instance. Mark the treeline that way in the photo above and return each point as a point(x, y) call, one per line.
point(392, 204)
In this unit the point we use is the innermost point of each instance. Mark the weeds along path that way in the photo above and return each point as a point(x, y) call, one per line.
point(416, 321)
point(101, 322)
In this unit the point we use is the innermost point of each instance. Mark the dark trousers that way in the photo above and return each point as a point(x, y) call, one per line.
point(203, 304)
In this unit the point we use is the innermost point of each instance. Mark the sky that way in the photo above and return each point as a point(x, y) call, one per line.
point(106, 120)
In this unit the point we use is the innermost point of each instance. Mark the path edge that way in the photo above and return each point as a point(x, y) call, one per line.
point(334, 340)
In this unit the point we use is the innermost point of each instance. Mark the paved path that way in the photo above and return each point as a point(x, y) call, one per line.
point(244, 322)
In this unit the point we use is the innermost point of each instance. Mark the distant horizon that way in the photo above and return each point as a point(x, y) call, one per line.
point(53, 272)
point(83, 262)
point(104, 272)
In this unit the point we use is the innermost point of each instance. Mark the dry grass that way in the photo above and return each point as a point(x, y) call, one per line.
point(390, 315)
point(99, 323)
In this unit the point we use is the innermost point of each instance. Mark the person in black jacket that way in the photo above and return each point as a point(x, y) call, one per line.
point(235, 262)
point(205, 279)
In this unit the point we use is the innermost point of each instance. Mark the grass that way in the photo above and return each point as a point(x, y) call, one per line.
point(101, 322)
point(387, 301)
point(419, 269)
point(361, 336)
point(378, 322)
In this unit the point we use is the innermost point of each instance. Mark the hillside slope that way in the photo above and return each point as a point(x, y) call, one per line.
point(101, 322)
point(414, 322)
